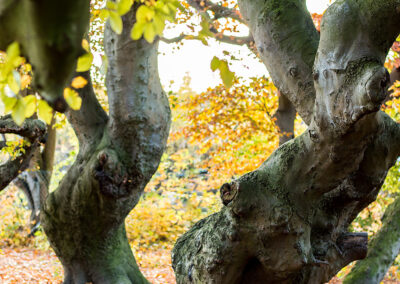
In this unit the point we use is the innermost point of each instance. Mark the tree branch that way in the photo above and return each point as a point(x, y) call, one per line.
point(287, 42)
point(202, 6)
point(285, 116)
point(235, 40)
point(34, 131)
point(311, 186)
point(139, 109)
point(89, 121)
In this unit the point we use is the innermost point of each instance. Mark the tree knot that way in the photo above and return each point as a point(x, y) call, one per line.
point(353, 246)
point(228, 192)
point(113, 177)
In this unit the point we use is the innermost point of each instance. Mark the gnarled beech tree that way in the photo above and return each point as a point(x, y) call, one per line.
point(118, 152)
point(287, 222)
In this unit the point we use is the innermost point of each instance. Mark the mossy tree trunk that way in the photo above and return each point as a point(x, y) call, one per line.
point(119, 152)
point(287, 222)
point(383, 250)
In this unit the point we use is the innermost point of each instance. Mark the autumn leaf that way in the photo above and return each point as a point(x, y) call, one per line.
point(79, 82)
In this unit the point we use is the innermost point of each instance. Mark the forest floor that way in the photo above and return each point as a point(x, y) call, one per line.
point(42, 267)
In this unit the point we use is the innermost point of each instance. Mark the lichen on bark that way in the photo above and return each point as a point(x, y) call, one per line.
point(289, 218)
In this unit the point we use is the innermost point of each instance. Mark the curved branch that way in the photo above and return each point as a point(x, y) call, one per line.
point(235, 40)
point(89, 121)
point(34, 131)
point(310, 187)
point(202, 6)
point(31, 129)
point(287, 42)
point(139, 109)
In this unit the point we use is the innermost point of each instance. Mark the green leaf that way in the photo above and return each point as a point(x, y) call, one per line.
point(205, 29)
point(124, 6)
point(149, 32)
point(8, 102)
point(13, 51)
point(84, 62)
point(12, 83)
point(172, 9)
point(137, 30)
point(30, 105)
point(104, 64)
point(115, 22)
point(72, 98)
point(226, 75)
point(215, 62)
point(144, 14)
point(45, 112)
point(18, 113)
point(161, 7)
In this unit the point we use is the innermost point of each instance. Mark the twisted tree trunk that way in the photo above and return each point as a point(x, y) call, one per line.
point(84, 218)
point(287, 221)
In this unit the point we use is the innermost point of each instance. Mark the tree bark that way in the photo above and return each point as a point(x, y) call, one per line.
point(383, 250)
point(84, 218)
point(285, 116)
point(287, 221)
point(33, 132)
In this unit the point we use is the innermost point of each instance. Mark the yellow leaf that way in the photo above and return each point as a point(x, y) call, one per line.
point(124, 6)
point(45, 112)
point(25, 81)
point(115, 22)
point(84, 62)
point(72, 98)
point(85, 45)
point(144, 14)
point(104, 14)
point(78, 82)
point(149, 32)
point(137, 30)
point(159, 24)
point(30, 105)
point(111, 5)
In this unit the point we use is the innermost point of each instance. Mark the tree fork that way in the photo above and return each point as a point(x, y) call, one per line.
point(118, 154)
point(287, 221)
